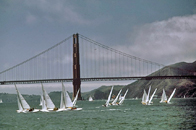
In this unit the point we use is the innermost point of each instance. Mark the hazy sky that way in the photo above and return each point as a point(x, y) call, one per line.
point(162, 31)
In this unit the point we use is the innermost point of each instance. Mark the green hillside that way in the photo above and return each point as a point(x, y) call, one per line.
point(185, 87)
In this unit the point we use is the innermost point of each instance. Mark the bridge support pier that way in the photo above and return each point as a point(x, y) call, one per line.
point(76, 67)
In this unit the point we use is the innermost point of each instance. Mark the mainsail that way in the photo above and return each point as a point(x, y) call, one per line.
point(21, 100)
point(62, 102)
point(107, 102)
point(22, 104)
point(75, 99)
point(49, 103)
point(147, 99)
point(68, 102)
point(44, 108)
point(90, 99)
point(144, 97)
point(163, 97)
point(171, 95)
point(150, 101)
point(41, 98)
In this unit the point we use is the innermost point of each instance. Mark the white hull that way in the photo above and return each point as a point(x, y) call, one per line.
point(44, 110)
point(27, 111)
point(35, 110)
point(21, 111)
point(59, 110)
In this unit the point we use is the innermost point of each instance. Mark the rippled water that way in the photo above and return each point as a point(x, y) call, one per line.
point(131, 115)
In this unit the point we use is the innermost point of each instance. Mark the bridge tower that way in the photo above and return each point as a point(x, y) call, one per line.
point(76, 67)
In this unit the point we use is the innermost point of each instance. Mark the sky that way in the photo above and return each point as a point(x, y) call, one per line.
point(161, 31)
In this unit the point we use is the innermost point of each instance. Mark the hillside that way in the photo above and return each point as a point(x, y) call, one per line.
point(184, 86)
point(102, 92)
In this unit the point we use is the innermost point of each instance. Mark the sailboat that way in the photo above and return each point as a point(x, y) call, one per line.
point(108, 101)
point(66, 103)
point(116, 99)
point(44, 108)
point(123, 98)
point(150, 101)
point(23, 106)
point(62, 102)
point(164, 97)
point(145, 98)
point(1, 101)
point(49, 104)
point(69, 104)
point(90, 99)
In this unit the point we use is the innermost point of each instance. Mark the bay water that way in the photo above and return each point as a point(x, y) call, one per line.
point(132, 115)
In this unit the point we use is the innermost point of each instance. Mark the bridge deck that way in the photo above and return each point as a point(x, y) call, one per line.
point(96, 79)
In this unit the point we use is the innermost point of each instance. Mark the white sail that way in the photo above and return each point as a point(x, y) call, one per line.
point(68, 102)
point(69, 105)
point(75, 99)
point(23, 106)
point(67, 99)
point(171, 95)
point(90, 99)
point(163, 97)
point(120, 97)
point(62, 102)
point(144, 97)
point(49, 103)
point(22, 101)
point(44, 107)
point(150, 101)
point(20, 109)
point(123, 98)
point(41, 98)
point(147, 99)
point(1, 101)
point(115, 100)
point(107, 102)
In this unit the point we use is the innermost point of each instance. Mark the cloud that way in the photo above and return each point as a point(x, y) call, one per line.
point(30, 19)
point(165, 42)
point(57, 11)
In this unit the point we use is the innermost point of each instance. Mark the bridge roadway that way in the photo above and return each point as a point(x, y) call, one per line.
point(97, 79)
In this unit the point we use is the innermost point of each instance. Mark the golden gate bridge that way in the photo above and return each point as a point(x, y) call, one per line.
point(79, 59)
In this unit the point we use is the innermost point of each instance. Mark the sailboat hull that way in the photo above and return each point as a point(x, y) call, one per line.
point(44, 110)
point(59, 110)
point(35, 110)
point(21, 111)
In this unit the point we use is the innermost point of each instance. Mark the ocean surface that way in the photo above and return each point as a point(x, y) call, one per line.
point(132, 115)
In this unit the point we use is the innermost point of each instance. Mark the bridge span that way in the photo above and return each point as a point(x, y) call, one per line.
point(79, 59)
